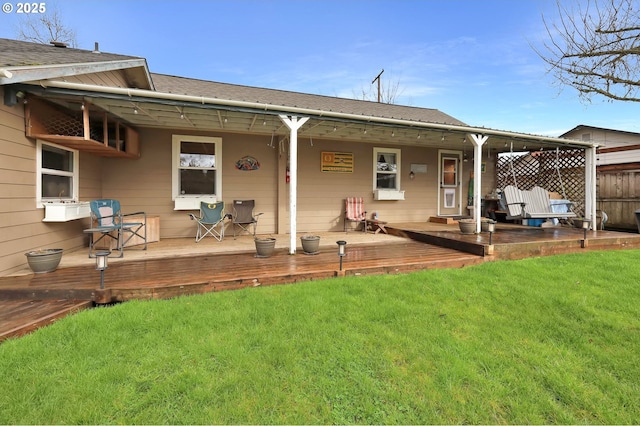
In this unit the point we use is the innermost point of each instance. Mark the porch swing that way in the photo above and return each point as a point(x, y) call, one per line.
point(535, 203)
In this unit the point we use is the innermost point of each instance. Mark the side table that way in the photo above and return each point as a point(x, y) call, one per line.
point(376, 226)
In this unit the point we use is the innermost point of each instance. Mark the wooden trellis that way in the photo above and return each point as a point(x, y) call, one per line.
point(561, 171)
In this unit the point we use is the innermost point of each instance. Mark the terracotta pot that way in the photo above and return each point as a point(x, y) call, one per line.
point(265, 246)
point(45, 260)
point(310, 244)
point(467, 226)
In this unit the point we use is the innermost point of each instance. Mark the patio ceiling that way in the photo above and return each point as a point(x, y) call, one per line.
point(158, 112)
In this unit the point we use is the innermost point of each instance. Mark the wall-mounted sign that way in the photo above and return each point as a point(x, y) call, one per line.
point(247, 163)
point(337, 162)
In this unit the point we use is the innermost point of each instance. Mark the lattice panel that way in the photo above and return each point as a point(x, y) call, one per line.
point(63, 123)
point(561, 171)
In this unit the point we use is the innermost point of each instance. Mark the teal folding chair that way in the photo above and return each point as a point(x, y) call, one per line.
point(108, 220)
point(211, 220)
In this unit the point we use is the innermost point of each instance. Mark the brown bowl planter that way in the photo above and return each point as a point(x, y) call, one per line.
point(310, 244)
point(44, 260)
point(265, 246)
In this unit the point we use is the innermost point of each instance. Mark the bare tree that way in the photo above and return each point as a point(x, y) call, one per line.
point(45, 28)
point(594, 47)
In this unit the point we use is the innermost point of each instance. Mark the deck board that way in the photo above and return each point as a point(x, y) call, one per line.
point(32, 300)
point(20, 317)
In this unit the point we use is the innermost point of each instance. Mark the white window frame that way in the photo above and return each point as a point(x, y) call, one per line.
point(40, 171)
point(398, 172)
point(456, 172)
point(175, 168)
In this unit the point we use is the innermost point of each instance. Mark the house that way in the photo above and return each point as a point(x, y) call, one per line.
point(77, 125)
point(617, 173)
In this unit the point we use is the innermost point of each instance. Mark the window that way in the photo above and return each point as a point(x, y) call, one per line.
point(196, 166)
point(449, 171)
point(386, 168)
point(57, 173)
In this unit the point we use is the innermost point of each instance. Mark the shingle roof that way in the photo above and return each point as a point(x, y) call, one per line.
point(16, 53)
point(186, 86)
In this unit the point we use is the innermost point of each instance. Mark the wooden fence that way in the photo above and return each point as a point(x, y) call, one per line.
point(619, 197)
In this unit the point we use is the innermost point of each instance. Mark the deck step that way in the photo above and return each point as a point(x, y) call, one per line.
point(447, 220)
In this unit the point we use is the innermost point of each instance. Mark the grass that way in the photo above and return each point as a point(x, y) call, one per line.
point(538, 341)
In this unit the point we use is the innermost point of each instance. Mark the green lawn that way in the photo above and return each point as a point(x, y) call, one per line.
point(537, 341)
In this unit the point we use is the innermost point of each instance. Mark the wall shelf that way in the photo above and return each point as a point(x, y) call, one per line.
point(388, 194)
point(186, 202)
point(81, 126)
point(64, 212)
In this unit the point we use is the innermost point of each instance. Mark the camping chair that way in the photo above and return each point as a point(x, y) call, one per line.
point(211, 217)
point(113, 226)
point(354, 212)
point(243, 216)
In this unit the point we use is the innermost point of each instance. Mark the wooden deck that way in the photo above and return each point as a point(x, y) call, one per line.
point(181, 267)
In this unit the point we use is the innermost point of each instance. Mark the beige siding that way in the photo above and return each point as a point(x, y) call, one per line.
point(21, 226)
point(611, 139)
point(145, 184)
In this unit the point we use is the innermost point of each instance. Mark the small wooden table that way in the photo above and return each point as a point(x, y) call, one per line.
point(376, 226)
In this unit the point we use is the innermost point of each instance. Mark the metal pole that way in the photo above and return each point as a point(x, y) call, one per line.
point(378, 78)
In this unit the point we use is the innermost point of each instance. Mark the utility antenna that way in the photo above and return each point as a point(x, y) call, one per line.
point(374, 80)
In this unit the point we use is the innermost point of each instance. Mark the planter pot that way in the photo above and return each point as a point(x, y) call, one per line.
point(580, 222)
point(265, 246)
point(484, 225)
point(310, 244)
point(45, 260)
point(467, 226)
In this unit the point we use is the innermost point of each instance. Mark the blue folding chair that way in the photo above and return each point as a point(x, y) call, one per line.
point(108, 220)
point(211, 220)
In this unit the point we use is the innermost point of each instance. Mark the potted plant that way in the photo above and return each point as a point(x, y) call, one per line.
point(467, 226)
point(265, 246)
point(310, 244)
point(44, 260)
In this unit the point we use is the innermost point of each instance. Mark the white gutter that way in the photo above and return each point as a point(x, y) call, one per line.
point(307, 111)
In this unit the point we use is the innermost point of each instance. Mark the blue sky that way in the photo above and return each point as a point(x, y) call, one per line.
point(471, 59)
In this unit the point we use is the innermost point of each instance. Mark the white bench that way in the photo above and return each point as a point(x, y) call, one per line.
point(535, 204)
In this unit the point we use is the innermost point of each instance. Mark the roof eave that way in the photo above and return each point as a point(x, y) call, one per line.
point(283, 109)
point(22, 74)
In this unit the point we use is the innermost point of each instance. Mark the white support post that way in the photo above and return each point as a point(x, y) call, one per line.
point(590, 186)
point(477, 141)
point(293, 123)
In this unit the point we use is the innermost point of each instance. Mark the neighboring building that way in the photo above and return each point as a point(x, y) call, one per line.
point(78, 125)
point(618, 173)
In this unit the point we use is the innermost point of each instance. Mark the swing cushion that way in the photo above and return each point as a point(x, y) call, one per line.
point(534, 204)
